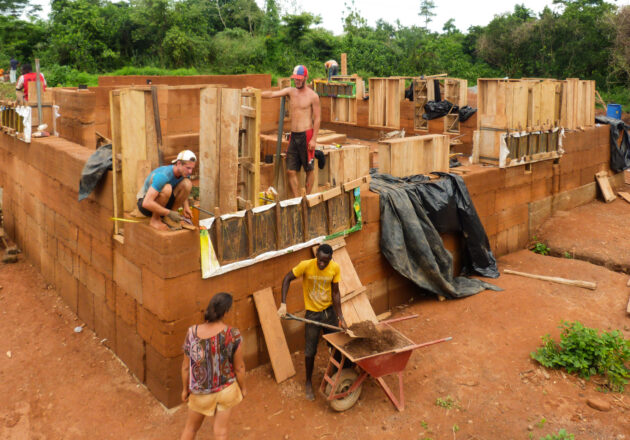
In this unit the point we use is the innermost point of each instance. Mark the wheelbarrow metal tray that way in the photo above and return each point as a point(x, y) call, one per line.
point(340, 339)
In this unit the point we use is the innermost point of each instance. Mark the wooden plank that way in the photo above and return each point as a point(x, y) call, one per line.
point(356, 182)
point(604, 186)
point(114, 108)
point(209, 135)
point(349, 279)
point(344, 64)
point(624, 195)
point(228, 144)
point(277, 347)
point(133, 142)
point(331, 193)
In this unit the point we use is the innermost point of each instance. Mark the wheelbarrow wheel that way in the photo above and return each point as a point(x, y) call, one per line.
point(348, 377)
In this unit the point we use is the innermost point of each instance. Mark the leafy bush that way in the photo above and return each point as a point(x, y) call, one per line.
point(541, 248)
point(583, 351)
point(561, 435)
point(64, 76)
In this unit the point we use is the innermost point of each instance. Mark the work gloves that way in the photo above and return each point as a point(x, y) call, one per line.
point(175, 216)
point(282, 310)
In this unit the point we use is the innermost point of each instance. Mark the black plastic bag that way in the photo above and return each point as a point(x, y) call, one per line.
point(619, 154)
point(466, 112)
point(437, 109)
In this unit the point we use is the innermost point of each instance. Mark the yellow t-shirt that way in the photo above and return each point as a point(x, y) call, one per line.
point(316, 283)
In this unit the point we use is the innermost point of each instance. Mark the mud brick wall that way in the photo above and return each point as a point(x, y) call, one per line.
point(142, 295)
point(69, 242)
point(258, 80)
point(77, 114)
point(506, 199)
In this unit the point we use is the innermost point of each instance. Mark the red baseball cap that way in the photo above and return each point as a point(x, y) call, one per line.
point(299, 72)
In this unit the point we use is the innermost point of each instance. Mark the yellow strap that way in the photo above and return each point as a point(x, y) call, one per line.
point(126, 220)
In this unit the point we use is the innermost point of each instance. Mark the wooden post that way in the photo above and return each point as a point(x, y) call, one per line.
point(344, 64)
point(219, 234)
point(278, 225)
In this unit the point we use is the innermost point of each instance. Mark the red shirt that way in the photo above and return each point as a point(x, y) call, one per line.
point(32, 76)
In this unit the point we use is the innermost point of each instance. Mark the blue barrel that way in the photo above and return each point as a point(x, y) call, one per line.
point(614, 111)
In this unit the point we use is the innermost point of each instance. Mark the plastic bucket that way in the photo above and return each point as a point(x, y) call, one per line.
point(614, 111)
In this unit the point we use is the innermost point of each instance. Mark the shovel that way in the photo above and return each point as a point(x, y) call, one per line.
point(321, 324)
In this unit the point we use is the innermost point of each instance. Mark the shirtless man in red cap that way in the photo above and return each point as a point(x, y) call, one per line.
point(305, 121)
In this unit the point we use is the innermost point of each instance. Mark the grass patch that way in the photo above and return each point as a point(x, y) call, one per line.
point(586, 352)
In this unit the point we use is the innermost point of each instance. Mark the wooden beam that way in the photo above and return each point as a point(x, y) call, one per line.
point(344, 64)
point(577, 283)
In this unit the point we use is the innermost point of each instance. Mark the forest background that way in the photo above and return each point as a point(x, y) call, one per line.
point(81, 39)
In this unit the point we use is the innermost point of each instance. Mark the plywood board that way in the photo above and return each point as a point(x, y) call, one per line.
point(209, 135)
point(414, 155)
point(132, 142)
point(277, 347)
point(228, 160)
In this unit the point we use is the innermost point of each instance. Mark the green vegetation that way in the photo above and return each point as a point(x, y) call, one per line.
point(447, 402)
point(561, 435)
point(584, 351)
point(83, 38)
point(567, 254)
point(541, 423)
point(541, 248)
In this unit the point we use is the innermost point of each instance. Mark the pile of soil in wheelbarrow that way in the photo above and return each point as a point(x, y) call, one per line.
point(372, 340)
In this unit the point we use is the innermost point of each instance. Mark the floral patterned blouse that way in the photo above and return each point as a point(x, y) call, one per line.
point(211, 367)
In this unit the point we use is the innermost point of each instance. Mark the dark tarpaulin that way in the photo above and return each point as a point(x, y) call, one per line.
point(96, 166)
point(414, 211)
point(619, 154)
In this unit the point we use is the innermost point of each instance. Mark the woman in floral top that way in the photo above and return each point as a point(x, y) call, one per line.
point(213, 370)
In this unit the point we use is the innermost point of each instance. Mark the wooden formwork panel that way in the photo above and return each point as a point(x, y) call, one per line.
point(246, 234)
point(420, 98)
point(578, 103)
point(220, 115)
point(345, 164)
point(414, 155)
point(385, 97)
point(455, 92)
point(505, 149)
point(535, 104)
point(343, 110)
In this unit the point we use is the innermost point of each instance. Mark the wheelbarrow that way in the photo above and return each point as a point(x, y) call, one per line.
point(342, 386)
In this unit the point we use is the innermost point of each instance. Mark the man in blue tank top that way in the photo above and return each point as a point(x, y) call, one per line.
point(166, 190)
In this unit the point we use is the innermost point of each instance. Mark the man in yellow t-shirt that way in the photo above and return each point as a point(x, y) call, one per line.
point(322, 301)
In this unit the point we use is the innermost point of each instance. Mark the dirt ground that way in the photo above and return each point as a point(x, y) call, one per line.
point(58, 384)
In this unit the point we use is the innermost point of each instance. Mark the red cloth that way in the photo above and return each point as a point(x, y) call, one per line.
point(310, 154)
point(32, 76)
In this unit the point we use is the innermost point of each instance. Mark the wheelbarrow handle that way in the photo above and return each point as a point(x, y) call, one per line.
point(309, 321)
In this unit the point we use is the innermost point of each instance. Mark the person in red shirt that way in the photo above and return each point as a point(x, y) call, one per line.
point(27, 76)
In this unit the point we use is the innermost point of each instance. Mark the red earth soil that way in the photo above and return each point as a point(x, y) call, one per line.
point(58, 384)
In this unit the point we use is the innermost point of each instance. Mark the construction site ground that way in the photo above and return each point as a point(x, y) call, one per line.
point(56, 383)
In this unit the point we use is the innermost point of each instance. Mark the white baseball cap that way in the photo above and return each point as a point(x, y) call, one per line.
point(186, 156)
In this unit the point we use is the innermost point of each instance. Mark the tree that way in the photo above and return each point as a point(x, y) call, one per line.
point(15, 8)
point(426, 11)
point(449, 26)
